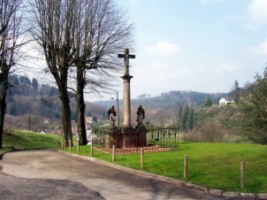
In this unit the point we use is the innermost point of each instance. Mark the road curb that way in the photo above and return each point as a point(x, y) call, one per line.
point(2, 154)
point(213, 192)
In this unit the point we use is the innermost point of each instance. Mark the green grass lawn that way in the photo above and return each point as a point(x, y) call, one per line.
point(214, 165)
point(20, 140)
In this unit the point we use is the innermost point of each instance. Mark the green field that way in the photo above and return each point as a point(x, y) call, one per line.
point(214, 165)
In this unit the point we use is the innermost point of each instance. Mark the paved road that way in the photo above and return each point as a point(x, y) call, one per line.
point(55, 175)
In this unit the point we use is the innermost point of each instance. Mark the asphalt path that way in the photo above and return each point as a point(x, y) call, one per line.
point(54, 175)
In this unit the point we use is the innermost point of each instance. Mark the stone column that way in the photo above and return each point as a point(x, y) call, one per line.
point(126, 101)
point(126, 89)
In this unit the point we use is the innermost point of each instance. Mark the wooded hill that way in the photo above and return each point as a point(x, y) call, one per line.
point(28, 98)
point(169, 100)
point(35, 106)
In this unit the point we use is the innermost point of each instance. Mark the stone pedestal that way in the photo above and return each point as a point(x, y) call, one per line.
point(126, 138)
point(114, 137)
point(134, 138)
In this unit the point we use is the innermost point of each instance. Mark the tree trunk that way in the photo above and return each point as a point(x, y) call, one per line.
point(65, 110)
point(81, 106)
point(66, 120)
point(3, 109)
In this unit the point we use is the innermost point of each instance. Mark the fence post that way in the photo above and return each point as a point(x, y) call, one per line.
point(186, 167)
point(158, 135)
point(62, 144)
point(91, 146)
point(113, 153)
point(242, 168)
point(91, 150)
point(142, 158)
point(65, 143)
point(78, 146)
point(178, 130)
point(70, 145)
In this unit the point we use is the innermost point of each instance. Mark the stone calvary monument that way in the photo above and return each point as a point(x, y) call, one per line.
point(127, 136)
point(126, 89)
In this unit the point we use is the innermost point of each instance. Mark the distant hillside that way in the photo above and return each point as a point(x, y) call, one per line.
point(168, 108)
point(28, 96)
point(171, 99)
point(178, 98)
point(31, 105)
point(216, 124)
point(35, 106)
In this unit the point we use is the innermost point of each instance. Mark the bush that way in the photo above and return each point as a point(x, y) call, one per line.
point(208, 132)
point(254, 107)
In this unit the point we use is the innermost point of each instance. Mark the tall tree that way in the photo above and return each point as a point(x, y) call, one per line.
point(35, 85)
point(54, 31)
point(191, 119)
point(254, 107)
point(235, 92)
point(185, 118)
point(180, 114)
point(208, 101)
point(101, 32)
point(10, 19)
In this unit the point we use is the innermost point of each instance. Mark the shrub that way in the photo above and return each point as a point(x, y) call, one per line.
point(208, 132)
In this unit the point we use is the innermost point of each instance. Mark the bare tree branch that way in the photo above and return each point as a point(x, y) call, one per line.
point(10, 32)
point(53, 31)
point(100, 32)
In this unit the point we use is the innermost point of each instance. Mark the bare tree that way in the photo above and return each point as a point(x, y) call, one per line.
point(10, 18)
point(86, 34)
point(53, 29)
point(101, 32)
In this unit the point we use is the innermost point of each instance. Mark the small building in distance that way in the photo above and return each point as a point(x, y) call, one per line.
point(226, 101)
point(88, 123)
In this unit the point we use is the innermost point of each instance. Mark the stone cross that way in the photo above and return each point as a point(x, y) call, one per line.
point(126, 57)
point(126, 89)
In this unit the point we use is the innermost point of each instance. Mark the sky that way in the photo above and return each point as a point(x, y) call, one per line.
point(195, 45)
point(192, 45)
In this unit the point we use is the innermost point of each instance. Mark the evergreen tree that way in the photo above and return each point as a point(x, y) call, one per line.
point(235, 93)
point(191, 119)
point(35, 85)
point(185, 118)
point(180, 113)
point(208, 102)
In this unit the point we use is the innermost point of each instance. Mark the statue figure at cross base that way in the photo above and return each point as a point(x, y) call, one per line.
point(140, 116)
point(111, 116)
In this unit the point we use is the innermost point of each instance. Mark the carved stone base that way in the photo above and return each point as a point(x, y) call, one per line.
point(126, 138)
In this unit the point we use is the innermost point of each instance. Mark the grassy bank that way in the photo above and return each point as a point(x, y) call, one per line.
point(214, 165)
point(21, 139)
